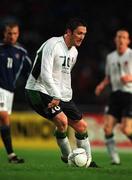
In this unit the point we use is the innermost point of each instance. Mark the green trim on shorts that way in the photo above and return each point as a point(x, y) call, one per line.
point(34, 96)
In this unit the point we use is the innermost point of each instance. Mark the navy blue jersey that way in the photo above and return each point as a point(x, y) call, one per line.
point(12, 60)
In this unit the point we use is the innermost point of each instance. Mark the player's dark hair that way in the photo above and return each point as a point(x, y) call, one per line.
point(10, 24)
point(4, 25)
point(73, 23)
point(122, 29)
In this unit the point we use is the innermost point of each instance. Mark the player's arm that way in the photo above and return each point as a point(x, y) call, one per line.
point(53, 103)
point(126, 78)
point(47, 74)
point(101, 86)
point(27, 64)
point(127, 75)
point(106, 81)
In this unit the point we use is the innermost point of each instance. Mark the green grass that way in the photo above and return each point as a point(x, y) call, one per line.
point(46, 165)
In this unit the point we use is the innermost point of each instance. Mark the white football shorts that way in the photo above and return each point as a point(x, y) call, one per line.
point(6, 100)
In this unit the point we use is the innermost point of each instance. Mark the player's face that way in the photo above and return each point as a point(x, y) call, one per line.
point(78, 35)
point(11, 34)
point(122, 41)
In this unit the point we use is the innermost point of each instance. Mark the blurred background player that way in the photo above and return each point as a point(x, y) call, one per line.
point(119, 76)
point(49, 87)
point(12, 59)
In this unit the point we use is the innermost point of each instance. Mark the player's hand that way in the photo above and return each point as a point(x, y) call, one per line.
point(126, 79)
point(53, 103)
point(99, 89)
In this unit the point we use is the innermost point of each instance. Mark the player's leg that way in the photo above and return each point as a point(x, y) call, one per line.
point(80, 126)
point(126, 121)
point(82, 139)
point(6, 100)
point(81, 135)
point(126, 127)
point(39, 102)
point(112, 117)
point(109, 123)
point(60, 120)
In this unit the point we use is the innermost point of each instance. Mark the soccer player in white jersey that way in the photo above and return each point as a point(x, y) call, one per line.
point(119, 76)
point(49, 89)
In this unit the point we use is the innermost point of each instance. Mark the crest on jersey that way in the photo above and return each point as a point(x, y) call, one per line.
point(17, 56)
point(126, 63)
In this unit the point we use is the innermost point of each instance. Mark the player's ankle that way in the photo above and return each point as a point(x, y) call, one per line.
point(11, 155)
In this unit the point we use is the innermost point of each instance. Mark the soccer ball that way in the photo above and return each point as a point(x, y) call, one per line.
point(79, 158)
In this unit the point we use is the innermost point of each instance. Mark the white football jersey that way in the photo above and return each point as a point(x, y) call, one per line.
point(117, 66)
point(51, 72)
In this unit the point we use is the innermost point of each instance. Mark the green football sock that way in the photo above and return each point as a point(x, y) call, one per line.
point(83, 142)
point(63, 143)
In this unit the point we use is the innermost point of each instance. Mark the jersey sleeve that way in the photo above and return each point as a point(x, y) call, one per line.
point(48, 55)
point(27, 64)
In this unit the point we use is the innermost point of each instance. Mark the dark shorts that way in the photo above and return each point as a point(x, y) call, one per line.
point(39, 102)
point(120, 105)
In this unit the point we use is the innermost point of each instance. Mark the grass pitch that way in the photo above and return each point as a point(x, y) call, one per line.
point(46, 165)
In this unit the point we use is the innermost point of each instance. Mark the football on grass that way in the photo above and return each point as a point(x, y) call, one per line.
point(78, 158)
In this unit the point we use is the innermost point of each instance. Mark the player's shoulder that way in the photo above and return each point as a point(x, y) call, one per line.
point(129, 51)
point(111, 54)
point(17, 47)
point(51, 43)
point(1, 45)
point(20, 47)
point(54, 40)
point(74, 50)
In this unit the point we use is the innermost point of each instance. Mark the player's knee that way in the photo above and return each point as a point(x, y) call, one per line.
point(63, 126)
point(126, 130)
point(107, 130)
point(4, 118)
point(61, 123)
point(82, 127)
